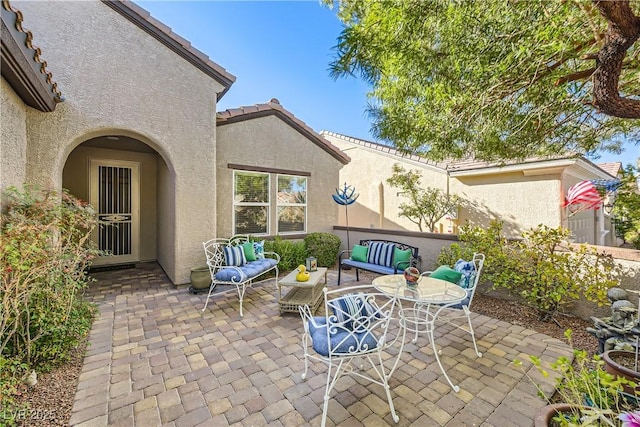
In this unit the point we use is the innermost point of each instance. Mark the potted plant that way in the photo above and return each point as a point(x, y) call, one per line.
point(586, 394)
point(619, 337)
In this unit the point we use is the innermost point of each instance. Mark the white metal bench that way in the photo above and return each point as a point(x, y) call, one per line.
point(241, 275)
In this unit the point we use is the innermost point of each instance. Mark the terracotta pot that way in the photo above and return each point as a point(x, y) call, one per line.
point(615, 368)
point(546, 413)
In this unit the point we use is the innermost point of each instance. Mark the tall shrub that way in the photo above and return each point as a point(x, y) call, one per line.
point(541, 267)
point(324, 247)
point(44, 252)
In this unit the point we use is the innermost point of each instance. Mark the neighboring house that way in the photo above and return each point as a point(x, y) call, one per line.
point(522, 195)
point(123, 114)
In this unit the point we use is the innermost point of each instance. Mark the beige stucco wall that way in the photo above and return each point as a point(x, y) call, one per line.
point(117, 79)
point(269, 142)
point(74, 178)
point(13, 140)
point(368, 172)
point(521, 202)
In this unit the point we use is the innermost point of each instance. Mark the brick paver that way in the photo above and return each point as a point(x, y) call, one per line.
point(156, 359)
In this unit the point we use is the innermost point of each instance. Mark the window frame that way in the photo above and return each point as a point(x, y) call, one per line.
point(304, 205)
point(236, 204)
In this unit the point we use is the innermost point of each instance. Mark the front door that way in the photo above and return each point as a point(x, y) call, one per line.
point(114, 194)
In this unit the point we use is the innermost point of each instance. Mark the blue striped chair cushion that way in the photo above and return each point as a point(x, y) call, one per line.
point(354, 307)
point(381, 253)
point(234, 256)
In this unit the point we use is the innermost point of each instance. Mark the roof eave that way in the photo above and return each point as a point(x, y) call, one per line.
point(20, 67)
point(312, 136)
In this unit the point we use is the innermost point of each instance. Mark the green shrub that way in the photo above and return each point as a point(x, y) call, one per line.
point(292, 253)
point(12, 372)
point(45, 250)
point(324, 247)
point(542, 267)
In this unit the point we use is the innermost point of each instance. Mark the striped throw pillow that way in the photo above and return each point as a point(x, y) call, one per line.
point(354, 307)
point(234, 256)
point(381, 253)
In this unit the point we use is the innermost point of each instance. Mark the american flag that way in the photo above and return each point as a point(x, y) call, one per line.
point(585, 193)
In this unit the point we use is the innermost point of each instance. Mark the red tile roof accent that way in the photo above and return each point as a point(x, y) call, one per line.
point(37, 52)
point(163, 33)
point(273, 107)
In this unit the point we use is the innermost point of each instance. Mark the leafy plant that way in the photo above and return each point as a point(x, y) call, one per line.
point(626, 209)
point(427, 205)
point(324, 247)
point(596, 395)
point(44, 252)
point(292, 253)
point(542, 267)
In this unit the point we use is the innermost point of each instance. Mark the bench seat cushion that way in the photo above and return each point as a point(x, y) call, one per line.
point(381, 269)
point(247, 271)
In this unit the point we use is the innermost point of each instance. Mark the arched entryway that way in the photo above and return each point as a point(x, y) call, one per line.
point(119, 176)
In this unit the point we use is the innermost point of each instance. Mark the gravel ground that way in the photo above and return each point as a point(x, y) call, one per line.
point(51, 400)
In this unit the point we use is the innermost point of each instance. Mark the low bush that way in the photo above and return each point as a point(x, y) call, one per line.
point(292, 252)
point(541, 267)
point(323, 246)
point(45, 249)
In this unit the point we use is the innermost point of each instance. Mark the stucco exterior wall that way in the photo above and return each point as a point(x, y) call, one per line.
point(368, 171)
point(13, 143)
point(521, 202)
point(269, 142)
point(117, 79)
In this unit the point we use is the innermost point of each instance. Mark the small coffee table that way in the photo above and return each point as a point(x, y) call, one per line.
point(302, 293)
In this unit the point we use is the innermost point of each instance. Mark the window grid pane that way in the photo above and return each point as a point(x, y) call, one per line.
point(291, 204)
point(251, 203)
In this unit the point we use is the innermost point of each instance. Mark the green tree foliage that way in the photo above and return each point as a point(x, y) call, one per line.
point(500, 79)
point(542, 268)
point(626, 209)
point(427, 205)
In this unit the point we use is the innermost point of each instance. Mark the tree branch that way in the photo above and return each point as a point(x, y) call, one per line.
point(623, 31)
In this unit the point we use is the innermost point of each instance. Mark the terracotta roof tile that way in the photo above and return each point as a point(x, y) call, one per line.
point(273, 107)
point(37, 52)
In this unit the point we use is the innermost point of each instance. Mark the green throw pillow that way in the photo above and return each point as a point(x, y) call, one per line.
point(447, 273)
point(359, 253)
point(402, 256)
point(249, 251)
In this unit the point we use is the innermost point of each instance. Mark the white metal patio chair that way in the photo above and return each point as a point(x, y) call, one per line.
point(453, 313)
point(354, 330)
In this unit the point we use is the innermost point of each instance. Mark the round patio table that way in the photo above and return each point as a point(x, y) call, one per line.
point(429, 298)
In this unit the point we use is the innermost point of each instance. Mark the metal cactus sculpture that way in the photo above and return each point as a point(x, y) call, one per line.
point(346, 196)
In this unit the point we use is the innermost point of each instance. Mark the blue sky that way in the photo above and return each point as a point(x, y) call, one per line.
point(282, 49)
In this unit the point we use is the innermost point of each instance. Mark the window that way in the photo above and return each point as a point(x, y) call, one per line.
point(251, 202)
point(292, 204)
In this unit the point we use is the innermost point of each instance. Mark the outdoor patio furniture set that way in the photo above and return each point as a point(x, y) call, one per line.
point(355, 328)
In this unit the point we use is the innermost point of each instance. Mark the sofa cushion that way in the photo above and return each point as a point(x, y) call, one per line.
point(258, 248)
point(381, 253)
point(359, 253)
point(249, 251)
point(468, 271)
point(444, 272)
point(340, 340)
point(403, 257)
point(247, 271)
point(234, 256)
point(380, 269)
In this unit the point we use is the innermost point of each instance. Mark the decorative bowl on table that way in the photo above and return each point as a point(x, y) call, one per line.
point(411, 277)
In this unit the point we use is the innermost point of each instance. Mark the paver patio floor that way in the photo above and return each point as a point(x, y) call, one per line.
point(156, 359)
